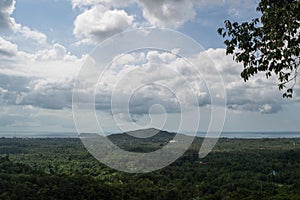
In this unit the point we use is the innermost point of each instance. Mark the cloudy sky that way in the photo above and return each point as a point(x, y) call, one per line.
point(44, 44)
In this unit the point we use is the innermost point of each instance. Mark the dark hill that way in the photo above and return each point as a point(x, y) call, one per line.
point(129, 142)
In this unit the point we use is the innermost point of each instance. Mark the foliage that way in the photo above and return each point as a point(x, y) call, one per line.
point(236, 169)
point(270, 44)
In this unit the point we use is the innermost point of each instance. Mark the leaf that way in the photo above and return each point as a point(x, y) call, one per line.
point(267, 44)
point(220, 30)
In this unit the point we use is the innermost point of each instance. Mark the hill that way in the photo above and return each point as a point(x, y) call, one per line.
point(61, 168)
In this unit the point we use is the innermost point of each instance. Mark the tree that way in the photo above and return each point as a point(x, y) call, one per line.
point(269, 44)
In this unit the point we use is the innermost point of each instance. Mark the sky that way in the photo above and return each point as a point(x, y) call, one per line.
point(45, 45)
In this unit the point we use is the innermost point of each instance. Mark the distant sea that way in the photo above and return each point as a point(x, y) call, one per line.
point(253, 135)
point(256, 135)
point(38, 134)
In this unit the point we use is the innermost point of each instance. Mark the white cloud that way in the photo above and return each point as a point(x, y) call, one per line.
point(167, 13)
point(7, 48)
point(43, 79)
point(48, 93)
point(257, 95)
point(150, 78)
point(56, 52)
point(156, 77)
point(7, 7)
point(99, 23)
point(34, 35)
point(267, 108)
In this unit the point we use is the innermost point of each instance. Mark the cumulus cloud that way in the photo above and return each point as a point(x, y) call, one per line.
point(6, 9)
point(50, 94)
point(99, 23)
point(150, 78)
point(55, 52)
point(34, 35)
point(268, 108)
point(167, 13)
point(156, 77)
point(7, 48)
point(7, 22)
point(36, 91)
point(44, 79)
point(102, 18)
point(257, 95)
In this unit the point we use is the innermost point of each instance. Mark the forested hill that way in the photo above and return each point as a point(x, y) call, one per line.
point(142, 143)
point(235, 169)
point(144, 140)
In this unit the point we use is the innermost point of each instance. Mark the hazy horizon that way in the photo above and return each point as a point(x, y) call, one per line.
point(224, 134)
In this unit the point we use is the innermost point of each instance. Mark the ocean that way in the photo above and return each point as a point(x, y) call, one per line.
point(256, 135)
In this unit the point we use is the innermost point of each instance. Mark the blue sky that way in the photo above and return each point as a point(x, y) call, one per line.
point(44, 44)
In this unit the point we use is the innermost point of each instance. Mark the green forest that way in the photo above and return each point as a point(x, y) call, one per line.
point(61, 168)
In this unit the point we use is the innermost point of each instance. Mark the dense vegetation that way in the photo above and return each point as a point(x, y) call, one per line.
point(236, 169)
